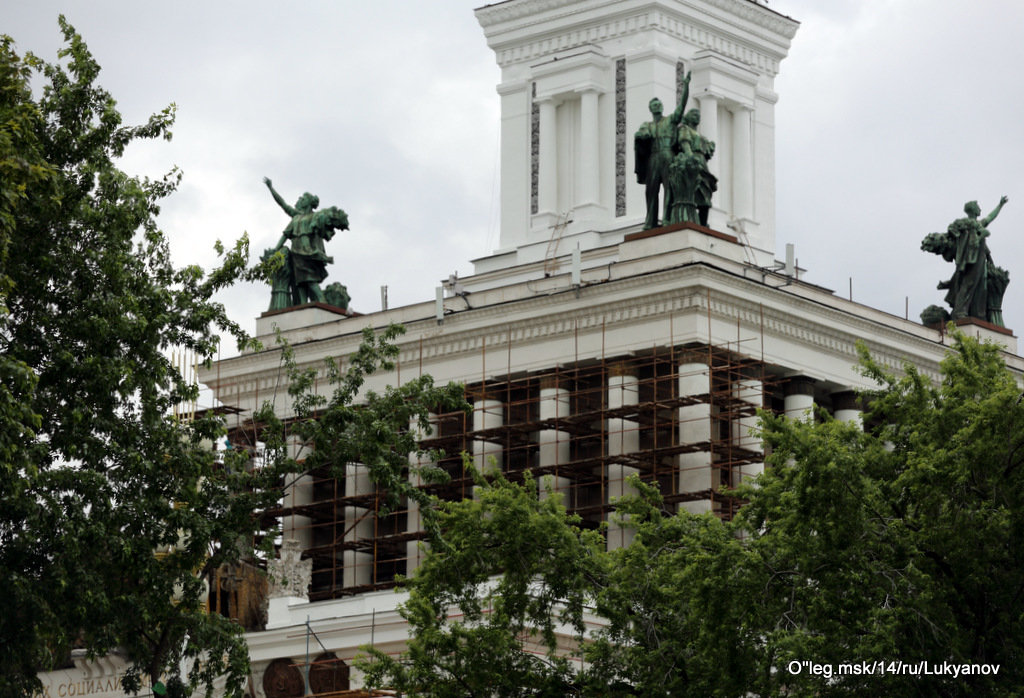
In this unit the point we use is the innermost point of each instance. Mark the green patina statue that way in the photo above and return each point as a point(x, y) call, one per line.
point(977, 286)
point(653, 145)
point(297, 280)
point(671, 153)
point(690, 181)
point(337, 295)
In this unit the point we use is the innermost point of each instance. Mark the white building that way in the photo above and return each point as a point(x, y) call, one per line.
point(590, 349)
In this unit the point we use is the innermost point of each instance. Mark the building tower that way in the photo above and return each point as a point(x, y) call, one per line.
point(576, 79)
point(591, 351)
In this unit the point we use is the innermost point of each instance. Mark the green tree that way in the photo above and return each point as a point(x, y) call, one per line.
point(353, 425)
point(672, 624)
point(96, 475)
point(898, 542)
point(903, 541)
point(114, 514)
point(506, 575)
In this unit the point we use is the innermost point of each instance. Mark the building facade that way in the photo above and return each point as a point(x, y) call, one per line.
point(591, 350)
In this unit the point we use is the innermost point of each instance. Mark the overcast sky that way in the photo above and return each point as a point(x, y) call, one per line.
point(891, 115)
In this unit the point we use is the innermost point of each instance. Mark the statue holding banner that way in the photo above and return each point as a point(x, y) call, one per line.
point(297, 280)
point(977, 286)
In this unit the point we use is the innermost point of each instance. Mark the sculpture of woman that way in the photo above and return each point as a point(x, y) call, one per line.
point(306, 262)
point(977, 286)
point(691, 182)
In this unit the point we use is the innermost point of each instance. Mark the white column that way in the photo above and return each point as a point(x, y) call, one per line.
point(742, 164)
point(359, 526)
point(547, 166)
point(415, 549)
point(799, 400)
point(709, 125)
point(751, 392)
point(487, 454)
point(695, 471)
point(554, 443)
point(623, 437)
point(299, 493)
point(846, 407)
point(590, 176)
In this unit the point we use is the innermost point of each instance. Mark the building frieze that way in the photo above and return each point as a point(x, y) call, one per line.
point(772, 31)
point(484, 339)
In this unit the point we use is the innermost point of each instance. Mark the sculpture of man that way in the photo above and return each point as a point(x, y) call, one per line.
point(977, 286)
point(654, 147)
point(306, 263)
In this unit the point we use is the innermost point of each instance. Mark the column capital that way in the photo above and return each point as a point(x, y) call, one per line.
point(549, 381)
point(692, 355)
point(621, 369)
point(847, 400)
point(512, 87)
point(799, 385)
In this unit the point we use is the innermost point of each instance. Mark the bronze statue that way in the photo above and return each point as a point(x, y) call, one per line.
point(654, 147)
point(977, 286)
point(671, 152)
point(690, 182)
point(305, 264)
point(337, 295)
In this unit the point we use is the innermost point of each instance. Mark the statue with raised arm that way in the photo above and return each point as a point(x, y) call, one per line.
point(654, 148)
point(297, 281)
point(977, 286)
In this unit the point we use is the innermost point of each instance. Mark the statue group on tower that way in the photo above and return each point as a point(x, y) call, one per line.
point(672, 155)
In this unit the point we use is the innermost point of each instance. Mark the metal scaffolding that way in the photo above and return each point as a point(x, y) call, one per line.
point(678, 417)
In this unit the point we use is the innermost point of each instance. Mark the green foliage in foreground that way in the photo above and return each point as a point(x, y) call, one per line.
point(902, 542)
point(96, 476)
point(115, 515)
point(354, 425)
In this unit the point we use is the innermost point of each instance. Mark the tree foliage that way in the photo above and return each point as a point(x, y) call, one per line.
point(112, 511)
point(114, 514)
point(900, 542)
point(518, 570)
point(354, 425)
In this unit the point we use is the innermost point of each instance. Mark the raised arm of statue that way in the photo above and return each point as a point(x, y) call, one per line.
point(677, 115)
point(277, 197)
point(995, 212)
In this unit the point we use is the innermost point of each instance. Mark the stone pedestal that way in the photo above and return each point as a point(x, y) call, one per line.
point(288, 579)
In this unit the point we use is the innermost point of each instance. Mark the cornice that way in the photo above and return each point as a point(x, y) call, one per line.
point(490, 15)
point(771, 29)
point(512, 10)
point(831, 329)
point(759, 15)
point(785, 316)
point(690, 290)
